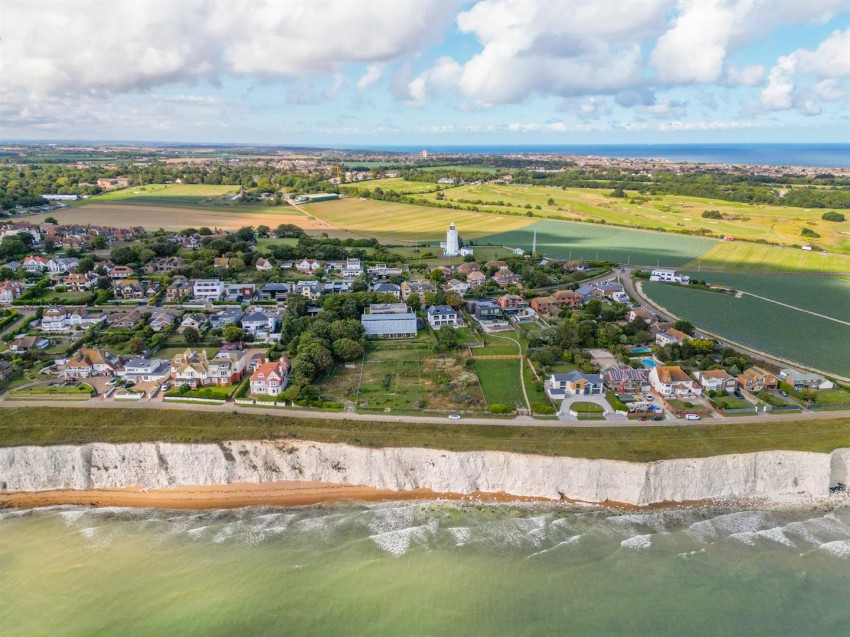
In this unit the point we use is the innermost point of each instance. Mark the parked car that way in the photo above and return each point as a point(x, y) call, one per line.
point(649, 397)
point(692, 417)
point(643, 418)
point(165, 387)
point(454, 416)
point(783, 393)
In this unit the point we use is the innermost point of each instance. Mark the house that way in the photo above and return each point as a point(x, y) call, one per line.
point(669, 276)
point(260, 323)
point(90, 361)
point(35, 264)
point(337, 287)
point(756, 379)
point(226, 317)
point(419, 288)
point(163, 265)
point(670, 337)
point(23, 344)
point(161, 320)
point(121, 272)
point(311, 290)
point(221, 263)
point(499, 265)
point(178, 290)
point(717, 380)
point(484, 309)
point(512, 304)
point(456, 286)
point(388, 308)
point(208, 289)
point(476, 279)
point(569, 298)
point(270, 379)
point(671, 381)
point(388, 288)
point(238, 292)
point(135, 289)
point(228, 366)
point(574, 383)
point(641, 313)
point(194, 320)
point(9, 291)
point(108, 183)
point(504, 278)
point(263, 265)
point(59, 319)
point(62, 265)
point(399, 325)
point(308, 266)
point(142, 370)
point(124, 320)
point(274, 292)
point(352, 269)
point(195, 369)
point(468, 268)
point(624, 379)
point(77, 282)
point(439, 315)
point(804, 380)
point(382, 271)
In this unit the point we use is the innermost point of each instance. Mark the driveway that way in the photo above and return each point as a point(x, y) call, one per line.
point(596, 399)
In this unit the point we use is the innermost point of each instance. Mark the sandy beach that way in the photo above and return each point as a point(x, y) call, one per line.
point(234, 496)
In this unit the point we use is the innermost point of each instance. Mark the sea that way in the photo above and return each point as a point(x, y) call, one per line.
point(824, 155)
point(425, 568)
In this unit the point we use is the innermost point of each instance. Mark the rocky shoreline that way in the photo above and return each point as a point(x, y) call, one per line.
point(768, 475)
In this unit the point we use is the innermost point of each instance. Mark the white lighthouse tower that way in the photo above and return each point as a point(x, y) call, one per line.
point(452, 244)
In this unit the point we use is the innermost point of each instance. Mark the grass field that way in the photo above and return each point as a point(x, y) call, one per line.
point(189, 195)
point(391, 222)
point(500, 382)
point(396, 184)
point(796, 336)
point(777, 224)
point(55, 425)
point(737, 256)
point(591, 241)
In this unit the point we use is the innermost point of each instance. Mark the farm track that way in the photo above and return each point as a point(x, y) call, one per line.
point(799, 309)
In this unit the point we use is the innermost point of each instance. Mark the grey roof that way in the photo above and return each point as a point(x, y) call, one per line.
point(584, 290)
point(441, 309)
point(374, 318)
point(387, 287)
point(275, 287)
point(572, 377)
point(262, 317)
point(380, 324)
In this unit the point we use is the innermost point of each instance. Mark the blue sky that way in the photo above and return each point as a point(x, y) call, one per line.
point(384, 72)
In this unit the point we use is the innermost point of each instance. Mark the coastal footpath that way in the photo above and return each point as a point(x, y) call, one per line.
point(773, 475)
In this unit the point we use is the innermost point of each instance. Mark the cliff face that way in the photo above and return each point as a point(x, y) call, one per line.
point(156, 465)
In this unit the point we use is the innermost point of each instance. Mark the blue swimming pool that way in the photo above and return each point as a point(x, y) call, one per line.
point(648, 362)
point(641, 350)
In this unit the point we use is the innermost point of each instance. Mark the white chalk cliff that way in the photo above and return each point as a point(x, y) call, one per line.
point(769, 474)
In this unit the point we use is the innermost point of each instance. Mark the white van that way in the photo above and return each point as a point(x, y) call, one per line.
point(691, 417)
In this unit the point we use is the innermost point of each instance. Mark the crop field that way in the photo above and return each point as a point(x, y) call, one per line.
point(777, 224)
point(391, 222)
point(563, 240)
point(397, 184)
point(822, 294)
point(737, 256)
point(500, 382)
point(177, 192)
point(809, 340)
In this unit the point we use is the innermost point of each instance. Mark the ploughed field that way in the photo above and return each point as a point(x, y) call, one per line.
point(819, 342)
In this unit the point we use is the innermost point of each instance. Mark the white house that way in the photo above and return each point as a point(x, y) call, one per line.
point(260, 323)
point(717, 380)
point(9, 291)
point(669, 276)
point(35, 264)
point(62, 265)
point(439, 315)
point(672, 381)
point(352, 268)
point(574, 384)
point(58, 319)
point(145, 370)
point(208, 289)
point(264, 265)
point(271, 378)
point(308, 266)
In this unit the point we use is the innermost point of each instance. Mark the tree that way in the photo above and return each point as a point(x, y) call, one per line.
point(233, 334)
point(122, 255)
point(191, 335)
point(347, 349)
point(414, 302)
point(204, 231)
point(446, 339)
point(51, 220)
point(99, 242)
point(684, 326)
point(136, 345)
point(833, 216)
point(85, 265)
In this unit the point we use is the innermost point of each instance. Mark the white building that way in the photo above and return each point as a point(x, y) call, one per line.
point(439, 315)
point(669, 276)
point(452, 247)
point(145, 370)
point(389, 325)
point(271, 378)
point(208, 289)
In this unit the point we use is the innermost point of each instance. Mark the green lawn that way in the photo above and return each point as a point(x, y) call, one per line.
point(729, 402)
point(500, 382)
point(214, 391)
point(837, 395)
point(586, 408)
point(55, 425)
point(46, 388)
point(391, 377)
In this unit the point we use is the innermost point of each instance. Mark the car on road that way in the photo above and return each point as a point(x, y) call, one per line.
point(692, 417)
point(783, 393)
point(643, 418)
point(657, 418)
point(454, 416)
point(649, 397)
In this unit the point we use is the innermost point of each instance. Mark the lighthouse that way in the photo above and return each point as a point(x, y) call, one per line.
point(452, 244)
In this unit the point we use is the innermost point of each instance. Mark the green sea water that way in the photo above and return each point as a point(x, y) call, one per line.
point(424, 568)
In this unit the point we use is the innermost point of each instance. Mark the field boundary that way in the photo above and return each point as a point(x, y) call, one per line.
point(793, 307)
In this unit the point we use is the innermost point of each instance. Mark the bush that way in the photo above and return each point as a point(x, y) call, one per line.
point(501, 409)
point(616, 403)
point(808, 232)
point(712, 214)
point(543, 409)
point(833, 216)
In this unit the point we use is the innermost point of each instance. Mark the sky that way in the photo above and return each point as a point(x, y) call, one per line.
point(407, 72)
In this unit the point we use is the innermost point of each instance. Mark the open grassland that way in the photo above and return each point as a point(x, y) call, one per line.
point(737, 256)
point(391, 222)
point(826, 295)
point(777, 224)
point(562, 240)
point(187, 192)
point(796, 336)
point(55, 425)
point(500, 381)
point(167, 217)
point(396, 184)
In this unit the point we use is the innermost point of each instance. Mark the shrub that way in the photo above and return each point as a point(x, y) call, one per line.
point(712, 214)
point(543, 409)
point(833, 216)
point(808, 232)
point(501, 409)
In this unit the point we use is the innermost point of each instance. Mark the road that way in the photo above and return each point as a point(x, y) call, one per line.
point(519, 421)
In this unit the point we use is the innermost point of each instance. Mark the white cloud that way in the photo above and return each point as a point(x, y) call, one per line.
point(779, 92)
point(370, 77)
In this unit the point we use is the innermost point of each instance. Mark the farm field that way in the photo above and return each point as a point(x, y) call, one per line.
point(778, 224)
point(167, 217)
point(809, 340)
point(594, 241)
point(822, 294)
point(500, 382)
point(392, 222)
point(397, 184)
point(189, 193)
point(737, 256)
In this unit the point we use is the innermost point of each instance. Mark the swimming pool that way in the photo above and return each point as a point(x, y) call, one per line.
point(648, 362)
point(641, 350)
